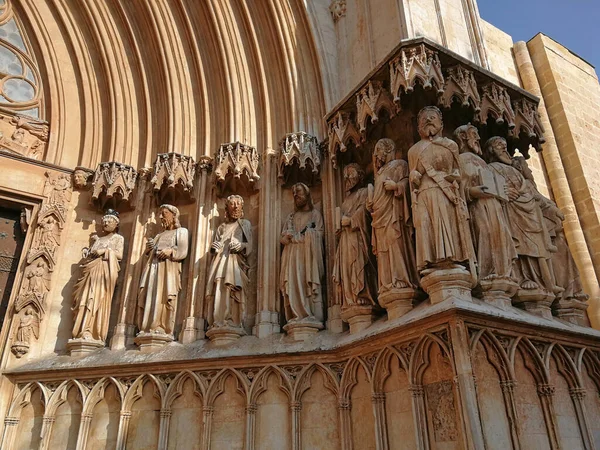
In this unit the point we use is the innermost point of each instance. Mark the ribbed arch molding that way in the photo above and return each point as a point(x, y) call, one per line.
point(129, 79)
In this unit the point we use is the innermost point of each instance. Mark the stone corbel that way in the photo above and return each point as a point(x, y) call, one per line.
point(337, 8)
point(415, 64)
point(342, 130)
point(237, 162)
point(496, 103)
point(370, 101)
point(113, 186)
point(173, 179)
point(527, 119)
point(23, 135)
point(82, 177)
point(300, 158)
point(461, 85)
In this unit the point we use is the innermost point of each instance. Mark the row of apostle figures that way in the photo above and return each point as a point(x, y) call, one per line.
point(451, 220)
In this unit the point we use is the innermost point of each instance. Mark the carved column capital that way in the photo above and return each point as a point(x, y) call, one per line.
point(378, 397)
point(251, 408)
point(546, 390)
point(11, 421)
point(125, 414)
point(507, 386)
point(344, 404)
point(416, 390)
point(578, 393)
point(296, 406)
point(165, 413)
point(337, 9)
point(48, 420)
point(205, 163)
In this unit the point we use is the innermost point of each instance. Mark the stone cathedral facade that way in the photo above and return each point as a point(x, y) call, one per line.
point(286, 224)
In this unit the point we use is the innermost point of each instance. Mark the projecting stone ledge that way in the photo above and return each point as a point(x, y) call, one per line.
point(324, 342)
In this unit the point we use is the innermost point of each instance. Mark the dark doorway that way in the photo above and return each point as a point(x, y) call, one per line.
point(11, 245)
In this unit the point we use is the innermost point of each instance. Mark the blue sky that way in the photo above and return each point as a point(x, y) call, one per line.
point(573, 23)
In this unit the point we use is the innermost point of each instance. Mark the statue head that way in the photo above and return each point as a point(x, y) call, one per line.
point(384, 152)
point(110, 221)
point(302, 197)
point(353, 176)
point(429, 122)
point(234, 208)
point(80, 178)
point(467, 138)
point(496, 150)
point(520, 163)
point(169, 217)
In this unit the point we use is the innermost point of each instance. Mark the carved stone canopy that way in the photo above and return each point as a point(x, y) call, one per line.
point(418, 73)
point(173, 179)
point(113, 186)
point(237, 162)
point(300, 158)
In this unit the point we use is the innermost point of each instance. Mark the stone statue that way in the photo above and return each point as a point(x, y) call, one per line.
point(571, 301)
point(490, 230)
point(302, 266)
point(28, 329)
point(440, 215)
point(227, 286)
point(94, 290)
point(392, 238)
point(354, 272)
point(161, 279)
point(531, 238)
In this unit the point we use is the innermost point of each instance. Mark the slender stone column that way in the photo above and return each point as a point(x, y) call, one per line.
point(560, 188)
point(546, 394)
point(250, 425)
point(267, 313)
point(465, 381)
point(508, 393)
point(207, 413)
point(123, 428)
point(10, 431)
point(47, 424)
point(163, 436)
point(577, 395)
point(344, 406)
point(84, 430)
point(296, 408)
point(193, 325)
point(419, 416)
point(127, 301)
point(381, 434)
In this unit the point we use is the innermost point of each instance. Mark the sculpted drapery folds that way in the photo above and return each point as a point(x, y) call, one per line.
point(562, 264)
point(354, 272)
point(439, 210)
point(490, 230)
point(161, 279)
point(530, 236)
point(227, 286)
point(94, 290)
point(392, 238)
point(302, 266)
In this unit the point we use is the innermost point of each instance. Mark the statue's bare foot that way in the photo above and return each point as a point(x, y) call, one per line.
point(528, 284)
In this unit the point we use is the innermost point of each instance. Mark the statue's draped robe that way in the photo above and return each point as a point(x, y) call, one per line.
point(492, 239)
point(227, 285)
point(529, 234)
point(161, 283)
point(353, 271)
point(95, 288)
point(392, 237)
point(438, 207)
point(302, 266)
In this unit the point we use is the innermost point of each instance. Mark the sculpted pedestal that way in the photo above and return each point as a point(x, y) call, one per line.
point(82, 347)
point(301, 330)
point(358, 317)
point(499, 291)
point(446, 284)
point(151, 341)
point(572, 310)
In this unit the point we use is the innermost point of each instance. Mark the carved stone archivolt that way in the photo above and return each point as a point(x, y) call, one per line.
point(237, 162)
point(31, 303)
point(300, 158)
point(173, 178)
point(113, 186)
point(23, 135)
